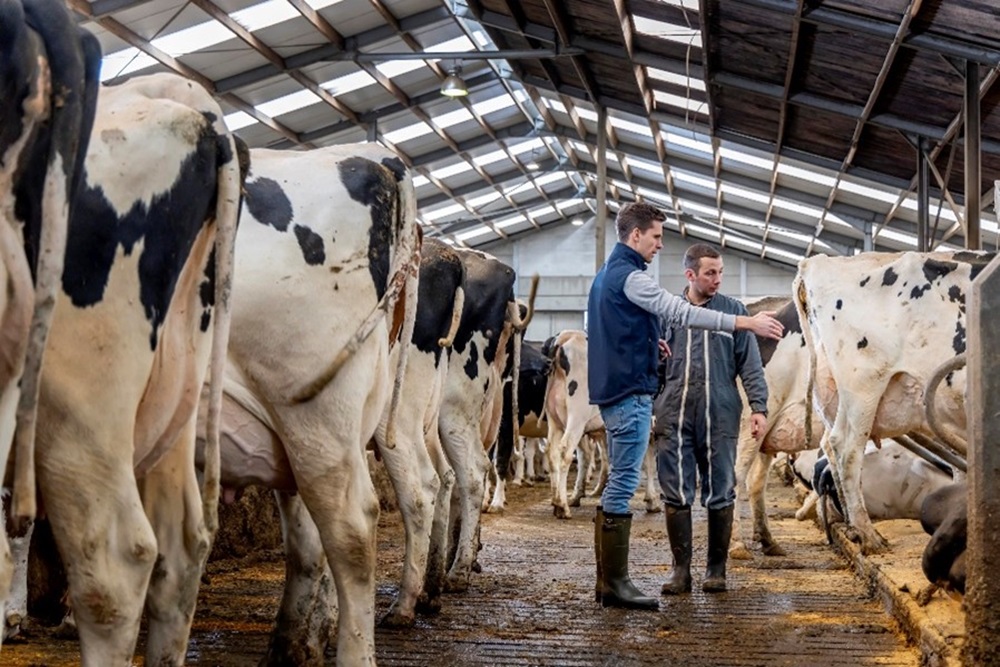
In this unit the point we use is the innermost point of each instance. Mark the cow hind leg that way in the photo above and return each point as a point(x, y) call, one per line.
point(307, 612)
point(757, 490)
point(437, 556)
point(416, 483)
point(585, 463)
point(172, 502)
point(652, 500)
point(470, 464)
point(844, 445)
point(107, 544)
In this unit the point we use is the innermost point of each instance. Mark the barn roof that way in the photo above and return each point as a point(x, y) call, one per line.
point(778, 128)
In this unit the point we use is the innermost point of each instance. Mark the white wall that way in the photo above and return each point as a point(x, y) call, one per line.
point(564, 258)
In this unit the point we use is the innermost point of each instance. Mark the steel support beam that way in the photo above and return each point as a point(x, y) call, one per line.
point(601, 227)
point(923, 195)
point(973, 145)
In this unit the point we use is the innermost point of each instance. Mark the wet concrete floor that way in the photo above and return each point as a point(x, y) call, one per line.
point(533, 603)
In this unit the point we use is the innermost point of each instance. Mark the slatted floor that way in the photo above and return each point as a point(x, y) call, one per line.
point(532, 604)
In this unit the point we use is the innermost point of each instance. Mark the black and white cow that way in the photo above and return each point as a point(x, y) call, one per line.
point(532, 379)
point(327, 242)
point(944, 516)
point(141, 316)
point(877, 326)
point(48, 89)
point(786, 371)
point(472, 407)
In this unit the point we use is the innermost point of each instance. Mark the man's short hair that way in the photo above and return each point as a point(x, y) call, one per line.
point(637, 215)
point(693, 255)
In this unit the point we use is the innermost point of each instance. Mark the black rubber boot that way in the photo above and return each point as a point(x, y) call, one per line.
point(598, 522)
point(617, 589)
point(679, 532)
point(720, 529)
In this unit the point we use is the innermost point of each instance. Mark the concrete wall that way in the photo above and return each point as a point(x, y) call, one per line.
point(564, 258)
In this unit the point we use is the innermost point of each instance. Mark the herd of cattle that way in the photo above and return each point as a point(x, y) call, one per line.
point(174, 345)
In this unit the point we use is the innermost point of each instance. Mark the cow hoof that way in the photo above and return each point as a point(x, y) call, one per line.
point(924, 595)
point(561, 512)
point(66, 630)
point(429, 606)
point(14, 624)
point(456, 584)
point(739, 552)
point(397, 619)
point(653, 507)
point(773, 549)
point(476, 567)
point(574, 502)
point(494, 509)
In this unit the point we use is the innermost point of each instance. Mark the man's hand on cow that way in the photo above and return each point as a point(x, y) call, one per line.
point(664, 349)
point(763, 324)
point(758, 425)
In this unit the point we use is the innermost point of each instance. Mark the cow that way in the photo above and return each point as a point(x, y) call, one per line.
point(569, 413)
point(786, 371)
point(140, 323)
point(485, 351)
point(944, 516)
point(532, 378)
point(49, 73)
point(868, 380)
point(894, 481)
point(324, 284)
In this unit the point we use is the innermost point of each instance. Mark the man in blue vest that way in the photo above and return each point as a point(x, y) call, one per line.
point(627, 311)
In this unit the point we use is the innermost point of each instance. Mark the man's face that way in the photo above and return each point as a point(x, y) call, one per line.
point(706, 282)
point(649, 242)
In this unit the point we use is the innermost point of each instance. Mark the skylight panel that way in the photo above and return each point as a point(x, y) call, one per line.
point(701, 229)
point(239, 120)
point(474, 233)
point(460, 43)
point(690, 142)
point(287, 103)
point(683, 4)
point(668, 31)
point(394, 68)
point(525, 146)
point(567, 203)
point(202, 36)
point(806, 174)
point(622, 124)
point(694, 179)
point(839, 221)
point(645, 165)
point(681, 102)
point(490, 158)
point(737, 191)
point(778, 252)
point(483, 200)
point(551, 177)
point(742, 243)
point(587, 114)
point(866, 191)
point(493, 104)
point(451, 170)
point(898, 236)
point(674, 78)
point(451, 209)
point(420, 180)
point(728, 153)
point(555, 105)
point(694, 207)
point(452, 118)
point(509, 222)
point(348, 83)
point(795, 207)
point(418, 129)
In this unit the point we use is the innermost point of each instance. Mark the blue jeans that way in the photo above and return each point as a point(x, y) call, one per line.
point(627, 423)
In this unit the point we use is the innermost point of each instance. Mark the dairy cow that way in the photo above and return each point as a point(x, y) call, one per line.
point(142, 310)
point(48, 88)
point(532, 379)
point(786, 371)
point(944, 516)
point(877, 326)
point(324, 284)
point(485, 350)
point(569, 413)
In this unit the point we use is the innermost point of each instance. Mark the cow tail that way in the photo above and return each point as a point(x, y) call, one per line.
point(17, 318)
point(226, 217)
point(514, 310)
point(408, 260)
point(801, 305)
point(930, 409)
point(73, 82)
point(456, 318)
point(515, 381)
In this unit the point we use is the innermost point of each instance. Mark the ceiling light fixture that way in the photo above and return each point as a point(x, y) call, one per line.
point(577, 221)
point(453, 85)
